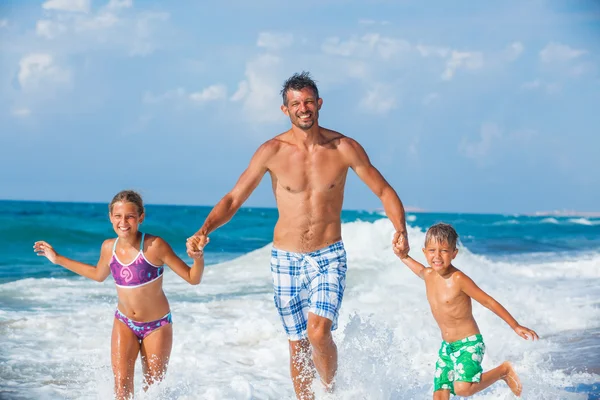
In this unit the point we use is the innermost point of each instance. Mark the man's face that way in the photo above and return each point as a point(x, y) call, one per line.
point(302, 107)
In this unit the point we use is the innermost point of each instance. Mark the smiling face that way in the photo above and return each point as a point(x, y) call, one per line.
point(439, 255)
point(125, 219)
point(302, 106)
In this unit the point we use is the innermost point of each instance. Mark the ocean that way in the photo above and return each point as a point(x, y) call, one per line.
point(55, 326)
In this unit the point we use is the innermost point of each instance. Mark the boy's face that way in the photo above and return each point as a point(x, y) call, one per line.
point(439, 255)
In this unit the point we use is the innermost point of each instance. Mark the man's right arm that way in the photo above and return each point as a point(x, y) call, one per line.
point(247, 182)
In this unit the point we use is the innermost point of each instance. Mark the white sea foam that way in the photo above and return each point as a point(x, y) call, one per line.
point(228, 343)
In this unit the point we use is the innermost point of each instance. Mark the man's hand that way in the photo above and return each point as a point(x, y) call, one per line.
point(400, 244)
point(525, 333)
point(195, 245)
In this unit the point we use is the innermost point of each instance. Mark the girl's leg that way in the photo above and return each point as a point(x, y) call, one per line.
point(156, 350)
point(124, 350)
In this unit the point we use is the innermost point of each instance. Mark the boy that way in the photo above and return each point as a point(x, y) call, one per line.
point(449, 292)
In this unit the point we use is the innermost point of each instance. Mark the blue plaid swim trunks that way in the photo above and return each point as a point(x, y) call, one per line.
point(308, 282)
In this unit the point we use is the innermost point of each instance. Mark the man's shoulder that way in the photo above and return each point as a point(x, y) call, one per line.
point(343, 142)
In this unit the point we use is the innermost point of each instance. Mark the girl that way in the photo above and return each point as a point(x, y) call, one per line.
point(143, 319)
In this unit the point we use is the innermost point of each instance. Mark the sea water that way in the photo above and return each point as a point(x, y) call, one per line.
point(55, 326)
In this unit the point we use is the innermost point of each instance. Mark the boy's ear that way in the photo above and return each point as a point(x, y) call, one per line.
point(455, 253)
point(423, 250)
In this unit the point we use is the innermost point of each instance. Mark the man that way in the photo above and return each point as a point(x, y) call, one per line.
point(308, 166)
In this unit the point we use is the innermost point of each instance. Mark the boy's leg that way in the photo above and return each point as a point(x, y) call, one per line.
point(156, 350)
point(302, 369)
point(324, 350)
point(124, 350)
point(441, 395)
point(504, 371)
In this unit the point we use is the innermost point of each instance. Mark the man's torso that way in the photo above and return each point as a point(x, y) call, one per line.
point(308, 184)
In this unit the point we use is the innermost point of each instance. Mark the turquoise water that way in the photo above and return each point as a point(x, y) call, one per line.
point(54, 324)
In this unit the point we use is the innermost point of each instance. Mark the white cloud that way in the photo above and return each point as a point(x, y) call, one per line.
point(372, 22)
point(143, 43)
point(170, 95)
point(21, 112)
point(49, 29)
point(100, 21)
point(429, 51)
point(365, 46)
point(514, 50)
point(379, 100)
point(260, 90)
point(480, 149)
point(430, 98)
point(3, 23)
point(458, 59)
point(241, 92)
point(211, 93)
point(548, 87)
point(118, 4)
point(557, 52)
point(275, 41)
point(68, 5)
point(39, 68)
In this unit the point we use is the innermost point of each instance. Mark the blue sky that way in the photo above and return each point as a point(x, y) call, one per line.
point(463, 106)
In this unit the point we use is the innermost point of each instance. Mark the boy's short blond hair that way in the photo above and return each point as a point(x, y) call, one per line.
point(442, 233)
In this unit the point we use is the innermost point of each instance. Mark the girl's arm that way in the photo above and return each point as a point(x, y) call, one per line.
point(191, 275)
point(473, 291)
point(415, 266)
point(98, 273)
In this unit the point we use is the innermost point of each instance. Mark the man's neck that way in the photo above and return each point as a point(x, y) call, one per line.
point(306, 137)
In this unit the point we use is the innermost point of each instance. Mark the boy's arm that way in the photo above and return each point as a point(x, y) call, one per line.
point(415, 266)
point(473, 291)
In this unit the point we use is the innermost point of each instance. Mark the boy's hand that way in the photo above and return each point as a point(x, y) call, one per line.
point(525, 333)
point(44, 249)
point(400, 244)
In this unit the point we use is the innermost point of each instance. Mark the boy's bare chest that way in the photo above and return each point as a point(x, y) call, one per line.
point(444, 295)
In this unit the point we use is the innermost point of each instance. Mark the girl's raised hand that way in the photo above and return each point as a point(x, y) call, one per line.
point(44, 249)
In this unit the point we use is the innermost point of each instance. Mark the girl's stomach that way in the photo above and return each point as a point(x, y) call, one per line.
point(143, 303)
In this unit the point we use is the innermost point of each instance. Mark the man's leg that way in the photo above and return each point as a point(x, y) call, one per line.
point(324, 350)
point(504, 371)
point(302, 369)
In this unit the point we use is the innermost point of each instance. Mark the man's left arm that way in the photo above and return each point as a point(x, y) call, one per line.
point(392, 205)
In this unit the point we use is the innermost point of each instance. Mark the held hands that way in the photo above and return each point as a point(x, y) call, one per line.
point(44, 249)
point(400, 244)
point(525, 333)
point(195, 246)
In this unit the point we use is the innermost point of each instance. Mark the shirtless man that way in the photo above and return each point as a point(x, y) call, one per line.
point(308, 166)
point(449, 292)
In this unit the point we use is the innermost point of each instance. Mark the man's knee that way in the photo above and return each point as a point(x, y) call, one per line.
point(319, 332)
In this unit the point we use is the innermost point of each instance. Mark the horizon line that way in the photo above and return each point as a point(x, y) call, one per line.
point(407, 209)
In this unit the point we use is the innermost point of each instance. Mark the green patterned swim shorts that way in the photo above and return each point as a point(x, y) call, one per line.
point(459, 361)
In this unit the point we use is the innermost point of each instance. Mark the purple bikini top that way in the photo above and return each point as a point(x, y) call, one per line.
point(139, 272)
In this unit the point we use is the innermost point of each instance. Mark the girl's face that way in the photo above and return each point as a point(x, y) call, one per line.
point(125, 219)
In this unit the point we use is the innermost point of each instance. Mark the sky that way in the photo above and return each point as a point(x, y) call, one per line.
point(464, 106)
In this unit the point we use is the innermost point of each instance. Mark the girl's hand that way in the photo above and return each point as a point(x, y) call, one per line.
point(44, 249)
point(193, 250)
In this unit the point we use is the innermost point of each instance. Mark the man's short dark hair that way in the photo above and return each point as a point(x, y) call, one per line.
point(299, 81)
